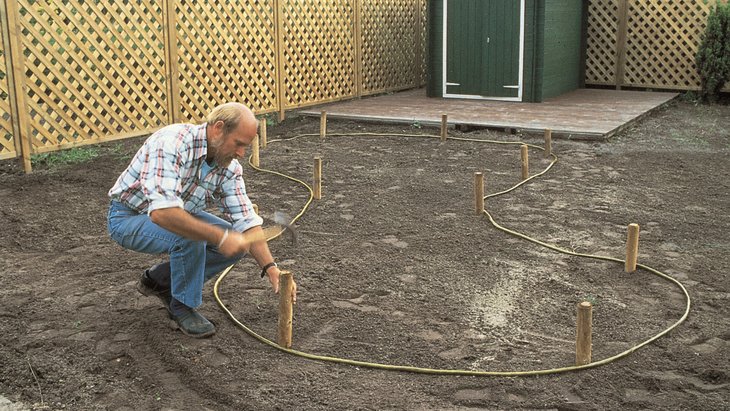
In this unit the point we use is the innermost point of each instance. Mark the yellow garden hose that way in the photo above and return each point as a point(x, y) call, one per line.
point(496, 225)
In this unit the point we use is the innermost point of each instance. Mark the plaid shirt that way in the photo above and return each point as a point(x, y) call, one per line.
point(166, 172)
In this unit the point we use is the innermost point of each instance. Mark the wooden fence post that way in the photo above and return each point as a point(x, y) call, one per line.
point(621, 40)
point(417, 45)
point(357, 45)
point(174, 112)
point(15, 64)
point(280, 63)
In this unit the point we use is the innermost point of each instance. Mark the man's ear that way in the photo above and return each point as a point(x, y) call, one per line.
point(217, 130)
point(218, 126)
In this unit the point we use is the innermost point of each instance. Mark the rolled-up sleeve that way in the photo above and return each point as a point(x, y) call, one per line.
point(235, 204)
point(160, 177)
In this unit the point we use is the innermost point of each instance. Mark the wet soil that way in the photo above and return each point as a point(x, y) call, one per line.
point(394, 266)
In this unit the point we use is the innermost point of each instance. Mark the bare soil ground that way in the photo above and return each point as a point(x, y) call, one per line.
point(394, 267)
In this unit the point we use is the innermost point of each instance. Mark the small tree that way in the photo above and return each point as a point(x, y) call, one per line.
point(713, 55)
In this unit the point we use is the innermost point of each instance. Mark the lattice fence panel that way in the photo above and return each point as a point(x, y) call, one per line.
point(662, 42)
point(226, 52)
point(391, 45)
point(319, 51)
point(7, 143)
point(662, 39)
point(93, 68)
point(601, 42)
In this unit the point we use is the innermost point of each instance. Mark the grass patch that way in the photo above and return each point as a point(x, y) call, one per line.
point(118, 151)
point(64, 157)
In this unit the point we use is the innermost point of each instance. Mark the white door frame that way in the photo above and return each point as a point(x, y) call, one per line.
point(520, 84)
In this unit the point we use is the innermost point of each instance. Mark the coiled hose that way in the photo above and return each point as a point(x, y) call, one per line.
point(496, 225)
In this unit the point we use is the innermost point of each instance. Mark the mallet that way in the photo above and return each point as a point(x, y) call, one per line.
point(284, 221)
point(283, 225)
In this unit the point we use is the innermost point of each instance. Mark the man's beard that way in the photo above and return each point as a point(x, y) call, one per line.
point(223, 161)
point(218, 157)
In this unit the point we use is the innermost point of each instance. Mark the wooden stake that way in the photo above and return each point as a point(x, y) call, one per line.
point(525, 162)
point(317, 178)
point(262, 132)
point(285, 308)
point(444, 125)
point(583, 339)
point(323, 125)
point(632, 248)
point(478, 192)
point(548, 142)
point(255, 151)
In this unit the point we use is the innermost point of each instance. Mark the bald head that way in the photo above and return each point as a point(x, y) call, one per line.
point(232, 115)
point(231, 129)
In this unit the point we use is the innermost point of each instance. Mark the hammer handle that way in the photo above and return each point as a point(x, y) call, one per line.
point(264, 235)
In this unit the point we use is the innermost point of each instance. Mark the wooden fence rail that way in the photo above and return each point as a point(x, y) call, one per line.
point(79, 72)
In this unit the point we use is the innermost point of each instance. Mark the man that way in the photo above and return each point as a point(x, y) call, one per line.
point(157, 206)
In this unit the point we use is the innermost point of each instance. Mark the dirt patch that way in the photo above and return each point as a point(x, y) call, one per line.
point(394, 267)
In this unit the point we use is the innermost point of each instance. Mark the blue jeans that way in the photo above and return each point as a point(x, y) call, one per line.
point(192, 263)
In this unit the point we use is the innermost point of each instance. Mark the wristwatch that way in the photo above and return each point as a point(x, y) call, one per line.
point(266, 267)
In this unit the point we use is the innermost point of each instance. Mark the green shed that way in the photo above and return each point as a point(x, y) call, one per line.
point(511, 50)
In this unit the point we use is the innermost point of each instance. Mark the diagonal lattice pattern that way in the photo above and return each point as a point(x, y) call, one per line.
point(392, 45)
point(319, 51)
point(226, 52)
point(93, 69)
point(662, 42)
point(601, 42)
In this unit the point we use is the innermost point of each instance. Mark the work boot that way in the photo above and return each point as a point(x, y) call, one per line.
point(189, 321)
point(149, 287)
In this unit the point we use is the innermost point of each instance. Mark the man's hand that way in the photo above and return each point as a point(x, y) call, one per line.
point(239, 243)
point(274, 273)
point(235, 243)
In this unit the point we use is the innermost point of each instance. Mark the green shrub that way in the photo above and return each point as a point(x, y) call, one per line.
point(713, 55)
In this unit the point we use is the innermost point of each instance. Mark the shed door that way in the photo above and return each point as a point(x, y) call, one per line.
point(483, 39)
